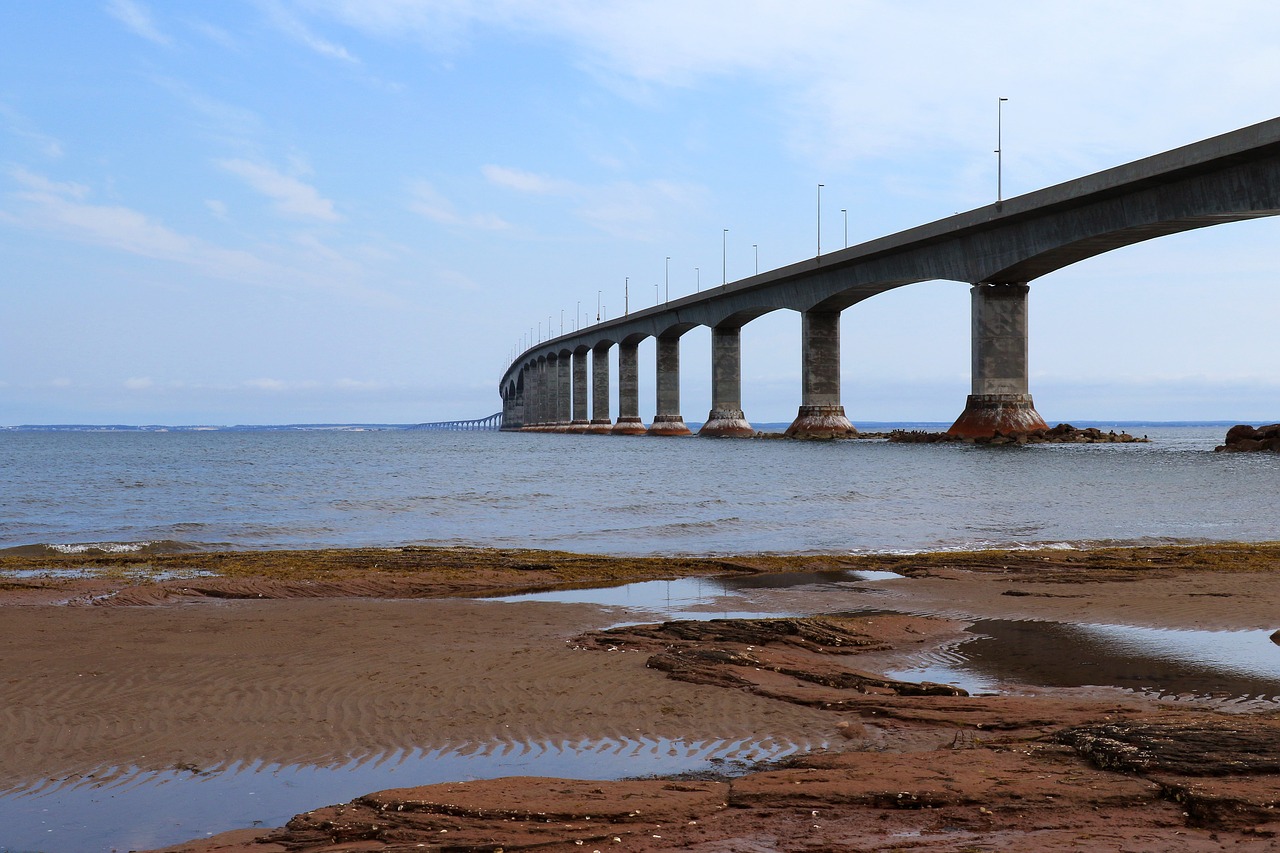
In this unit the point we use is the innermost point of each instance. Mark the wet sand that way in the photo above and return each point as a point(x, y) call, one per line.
point(327, 657)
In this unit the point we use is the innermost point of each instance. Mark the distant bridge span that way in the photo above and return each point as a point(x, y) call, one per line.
point(492, 422)
point(997, 249)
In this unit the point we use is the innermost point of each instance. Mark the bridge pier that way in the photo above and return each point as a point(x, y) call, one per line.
point(628, 422)
point(564, 391)
point(821, 415)
point(668, 420)
point(726, 418)
point(1001, 399)
point(579, 423)
point(600, 423)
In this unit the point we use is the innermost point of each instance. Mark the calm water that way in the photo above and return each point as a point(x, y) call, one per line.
point(620, 495)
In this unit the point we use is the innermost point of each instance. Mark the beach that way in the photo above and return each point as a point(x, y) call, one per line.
point(317, 658)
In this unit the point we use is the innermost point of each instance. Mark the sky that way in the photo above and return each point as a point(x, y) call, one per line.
point(355, 211)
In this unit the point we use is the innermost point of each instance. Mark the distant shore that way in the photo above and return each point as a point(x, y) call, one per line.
point(316, 657)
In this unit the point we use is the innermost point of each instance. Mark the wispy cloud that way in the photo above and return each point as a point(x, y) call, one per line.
point(622, 208)
point(62, 208)
point(293, 27)
point(427, 201)
point(20, 126)
point(137, 18)
point(292, 197)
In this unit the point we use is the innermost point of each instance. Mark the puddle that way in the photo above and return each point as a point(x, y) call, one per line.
point(712, 598)
point(1237, 666)
point(127, 809)
point(89, 572)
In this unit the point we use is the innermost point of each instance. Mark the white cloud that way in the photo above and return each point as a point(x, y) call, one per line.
point(528, 182)
point(139, 383)
point(429, 202)
point(299, 32)
point(138, 19)
point(20, 126)
point(292, 197)
point(622, 208)
point(217, 208)
point(267, 384)
point(60, 208)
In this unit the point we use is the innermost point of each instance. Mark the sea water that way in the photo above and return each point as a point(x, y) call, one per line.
point(600, 494)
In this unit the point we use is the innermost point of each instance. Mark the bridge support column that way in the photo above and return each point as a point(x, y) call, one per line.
point(551, 377)
point(579, 422)
point(522, 397)
point(668, 421)
point(1001, 400)
point(600, 422)
point(821, 415)
point(628, 422)
point(726, 418)
point(541, 385)
point(563, 391)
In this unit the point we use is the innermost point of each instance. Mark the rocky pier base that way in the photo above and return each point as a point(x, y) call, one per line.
point(1061, 434)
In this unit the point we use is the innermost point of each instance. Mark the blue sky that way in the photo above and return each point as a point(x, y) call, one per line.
point(352, 210)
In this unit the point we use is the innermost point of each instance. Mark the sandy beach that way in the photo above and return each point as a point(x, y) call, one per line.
point(159, 662)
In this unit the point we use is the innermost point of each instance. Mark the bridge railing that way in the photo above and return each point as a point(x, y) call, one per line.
point(492, 422)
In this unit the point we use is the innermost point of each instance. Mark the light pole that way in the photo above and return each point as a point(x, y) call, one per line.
point(756, 248)
point(846, 226)
point(724, 260)
point(697, 271)
point(626, 296)
point(561, 321)
point(1000, 149)
point(668, 279)
point(820, 220)
point(655, 294)
point(598, 292)
point(576, 314)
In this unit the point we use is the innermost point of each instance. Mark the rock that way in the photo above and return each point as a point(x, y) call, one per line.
point(1243, 438)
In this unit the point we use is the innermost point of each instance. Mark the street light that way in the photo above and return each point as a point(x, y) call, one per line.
point(757, 251)
point(820, 186)
point(561, 321)
point(655, 294)
point(576, 314)
point(1000, 149)
point(724, 259)
point(698, 272)
point(626, 296)
point(846, 226)
point(668, 279)
point(598, 292)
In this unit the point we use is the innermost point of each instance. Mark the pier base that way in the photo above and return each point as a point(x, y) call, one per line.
point(727, 423)
point(599, 426)
point(668, 425)
point(821, 422)
point(629, 426)
point(987, 414)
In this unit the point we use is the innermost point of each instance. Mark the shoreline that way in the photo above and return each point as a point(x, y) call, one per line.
point(326, 656)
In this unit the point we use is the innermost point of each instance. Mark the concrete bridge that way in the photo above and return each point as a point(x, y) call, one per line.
point(997, 249)
point(492, 422)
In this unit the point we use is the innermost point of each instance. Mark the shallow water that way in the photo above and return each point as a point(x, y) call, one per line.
point(127, 809)
point(597, 494)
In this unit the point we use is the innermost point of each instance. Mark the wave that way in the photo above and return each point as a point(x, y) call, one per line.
point(91, 549)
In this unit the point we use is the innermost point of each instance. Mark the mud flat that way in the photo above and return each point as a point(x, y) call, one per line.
point(203, 660)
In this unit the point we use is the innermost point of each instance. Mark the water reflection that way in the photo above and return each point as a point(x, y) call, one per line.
point(128, 809)
point(1233, 665)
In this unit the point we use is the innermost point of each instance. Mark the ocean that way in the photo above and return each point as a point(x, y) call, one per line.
point(312, 488)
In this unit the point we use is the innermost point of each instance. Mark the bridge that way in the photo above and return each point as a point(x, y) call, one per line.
point(996, 249)
point(493, 422)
